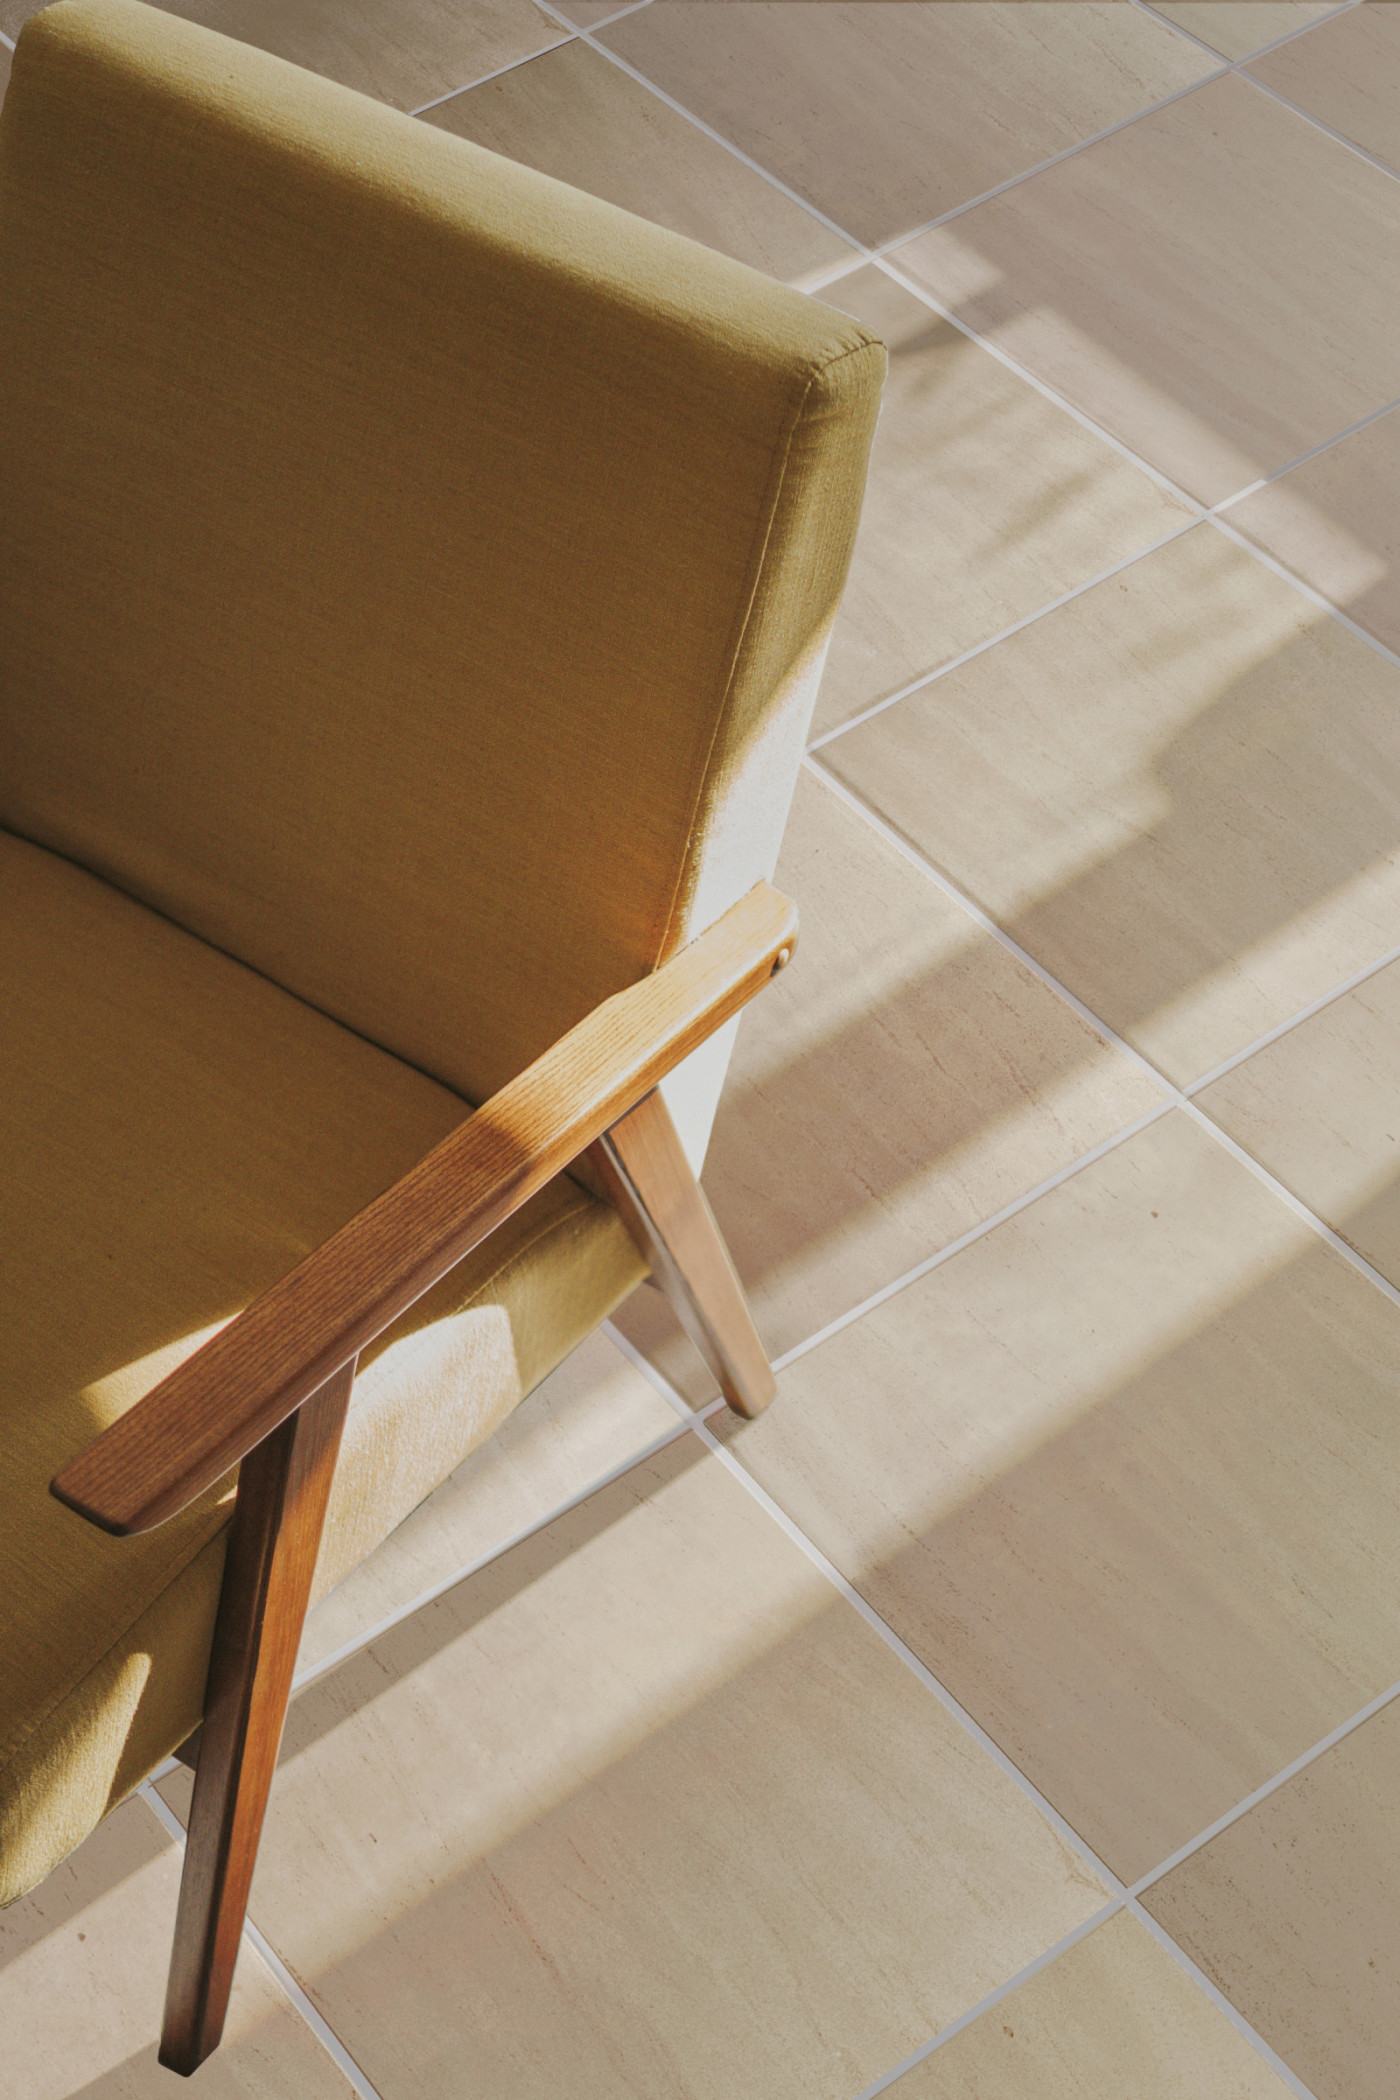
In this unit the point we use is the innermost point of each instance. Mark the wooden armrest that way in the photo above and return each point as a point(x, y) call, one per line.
point(222, 1401)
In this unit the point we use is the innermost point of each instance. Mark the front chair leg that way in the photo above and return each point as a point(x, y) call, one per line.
point(642, 1164)
point(283, 1489)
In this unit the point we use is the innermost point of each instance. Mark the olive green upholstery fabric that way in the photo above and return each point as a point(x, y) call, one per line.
point(414, 577)
point(175, 1133)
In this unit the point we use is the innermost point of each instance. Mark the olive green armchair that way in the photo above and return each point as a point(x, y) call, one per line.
point(415, 579)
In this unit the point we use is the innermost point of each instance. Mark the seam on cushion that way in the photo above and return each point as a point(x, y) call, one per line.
point(142, 904)
point(16, 1742)
point(765, 532)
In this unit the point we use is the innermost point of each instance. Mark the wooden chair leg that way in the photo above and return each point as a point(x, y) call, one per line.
point(642, 1164)
point(283, 1489)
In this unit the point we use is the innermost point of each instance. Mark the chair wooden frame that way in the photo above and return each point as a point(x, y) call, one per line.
point(271, 1389)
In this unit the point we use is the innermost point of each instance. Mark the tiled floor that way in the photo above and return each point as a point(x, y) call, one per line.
point(1007, 1715)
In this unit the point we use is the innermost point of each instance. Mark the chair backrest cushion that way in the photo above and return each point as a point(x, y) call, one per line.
point(413, 572)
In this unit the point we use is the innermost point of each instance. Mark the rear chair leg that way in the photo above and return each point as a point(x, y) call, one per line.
point(283, 1489)
point(642, 1164)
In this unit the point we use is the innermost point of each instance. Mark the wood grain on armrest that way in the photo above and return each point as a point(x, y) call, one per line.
point(186, 1433)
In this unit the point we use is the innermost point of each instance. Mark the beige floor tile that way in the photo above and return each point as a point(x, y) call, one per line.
point(886, 113)
point(587, 13)
point(1348, 73)
point(1321, 1109)
point(646, 1808)
point(404, 52)
point(1237, 27)
point(984, 503)
point(1334, 523)
point(4, 72)
point(904, 1079)
point(577, 116)
point(1293, 1912)
point(82, 1982)
point(1115, 2018)
point(1185, 283)
point(1124, 1473)
point(1181, 793)
point(594, 1413)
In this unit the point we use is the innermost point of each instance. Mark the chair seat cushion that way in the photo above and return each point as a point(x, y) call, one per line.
point(176, 1132)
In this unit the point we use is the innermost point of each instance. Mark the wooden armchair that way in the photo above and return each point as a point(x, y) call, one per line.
point(416, 575)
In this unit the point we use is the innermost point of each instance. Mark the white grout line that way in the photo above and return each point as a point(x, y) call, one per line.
point(1201, 514)
point(514, 65)
point(971, 1237)
point(1081, 416)
point(955, 663)
point(7, 41)
point(1221, 2003)
point(822, 280)
point(951, 1705)
point(993, 1998)
point(1271, 1786)
point(586, 36)
point(1304, 1013)
point(1289, 36)
point(1176, 1094)
point(484, 79)
point(688, 1415)
point(1324, 604)
point(894, 837)
point(163, 1813)
point(658, 1380)
point(330, 2041)
point(1200, 511)
point(1252, 488)
point(1150, 109)
point(1361, 152)
point(974, 1728)
point(1294, 1203)
point(325, 2034)
point(314, 1671)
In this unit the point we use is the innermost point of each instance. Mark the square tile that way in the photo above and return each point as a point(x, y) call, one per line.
point(576, 116)
point(901, 1081)
point(1118, 1472)
point(1212, 284)
point(887, 113)
point(1321, 1109)
point(1112, 2017)
point(1180, 792)
point(1348, 74)
point(594, 1413)
point(984, 502)
point(1237, 27)
point(1334, 523)
point(1293, 1910)
point(647, 1808)
point(405, 52)
point(82, 1983)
